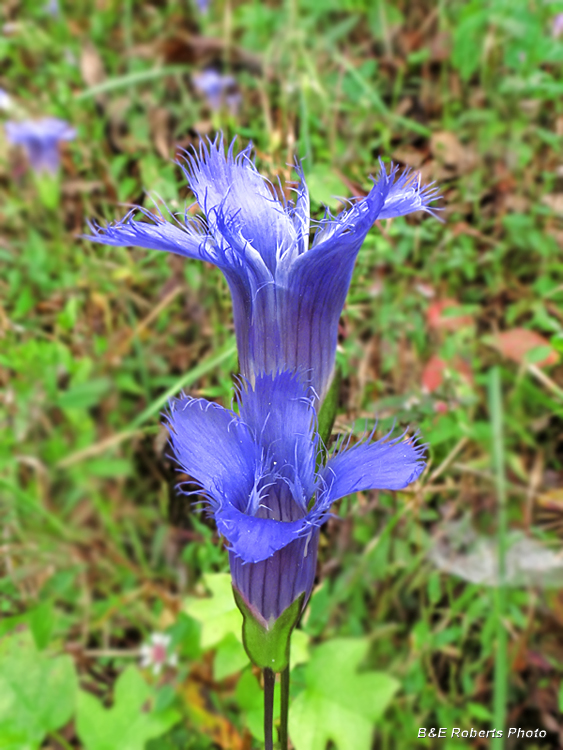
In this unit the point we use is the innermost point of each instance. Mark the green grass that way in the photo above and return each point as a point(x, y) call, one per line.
point(97, 552)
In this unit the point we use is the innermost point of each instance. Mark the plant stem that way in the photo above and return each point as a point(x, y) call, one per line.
point(501, 656)
point(284, 707)
point(61, 740)
point(269, 684)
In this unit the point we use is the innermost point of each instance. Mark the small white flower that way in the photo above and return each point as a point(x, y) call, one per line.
point(155, 653)
point(5, 100)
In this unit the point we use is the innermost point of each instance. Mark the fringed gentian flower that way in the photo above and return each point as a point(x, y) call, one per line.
point(288, 292)
point(40, 140)
point(217, 89)
point(263, 484)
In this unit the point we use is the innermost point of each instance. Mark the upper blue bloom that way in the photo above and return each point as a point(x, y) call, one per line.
point(258, 473)
point(288, 292)
point(40, 140)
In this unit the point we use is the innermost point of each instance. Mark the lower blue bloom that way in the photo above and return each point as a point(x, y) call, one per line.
point(40, 140)
point(260, 477)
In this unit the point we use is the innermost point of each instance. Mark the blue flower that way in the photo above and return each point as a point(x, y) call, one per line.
point(288, 292)
point(40, 141)
point(257, 472)
point(52, 8)
point(217, 89)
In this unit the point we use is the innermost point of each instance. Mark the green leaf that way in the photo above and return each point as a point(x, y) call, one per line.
point(338, 703)
point(325, 186)
point(299, 648)
point(222, 627)
point(230, 657)
point(41, 622)
point(479, 712)
point(218, 613)
point(267, 645)
point(37, 692)
point(327, 413)
point(84, 395)
point(128, 719)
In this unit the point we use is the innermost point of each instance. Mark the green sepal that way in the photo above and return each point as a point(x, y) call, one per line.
point(267, 644)
point(49, 189)
point(327, 412)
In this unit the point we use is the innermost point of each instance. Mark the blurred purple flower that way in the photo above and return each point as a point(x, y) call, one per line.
point(557, 26)
point(40, 141)
point(52, 7)
point(214, 87)
point(203, 5)
point(287, 293)
point(264, 487)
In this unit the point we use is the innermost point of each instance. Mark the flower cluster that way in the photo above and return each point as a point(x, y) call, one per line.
point(261, 470)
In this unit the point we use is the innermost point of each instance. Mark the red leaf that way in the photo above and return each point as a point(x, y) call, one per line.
point(436, 319)
point(433, 374)
point(516, 343)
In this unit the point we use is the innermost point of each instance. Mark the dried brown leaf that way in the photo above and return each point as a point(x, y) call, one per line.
point(91, 65)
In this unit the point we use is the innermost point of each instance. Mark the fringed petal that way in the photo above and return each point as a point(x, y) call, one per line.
point(216, 449)
point(253, 538)
point(185, 237)
point(386, 464)
point(407, 194)
point(229, 185)
point(279, 411)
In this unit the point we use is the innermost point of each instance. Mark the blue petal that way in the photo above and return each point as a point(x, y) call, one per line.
point(254, 539)
point(216, 448)
point(406, 194)
point(231, 186)
point(300, 211)
point(310, 294)
point(271, 585)
point(381, 465)
point(187, 237)
point(279, 411)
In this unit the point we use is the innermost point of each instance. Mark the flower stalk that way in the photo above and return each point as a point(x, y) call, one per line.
point(269, 686)
point(284, 708)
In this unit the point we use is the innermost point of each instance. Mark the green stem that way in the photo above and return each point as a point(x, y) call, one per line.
point(61, 740)
point(269, 684)
point(501, 656)
point(284, 707)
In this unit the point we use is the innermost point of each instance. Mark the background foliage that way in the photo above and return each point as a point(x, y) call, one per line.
point(96, 552)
